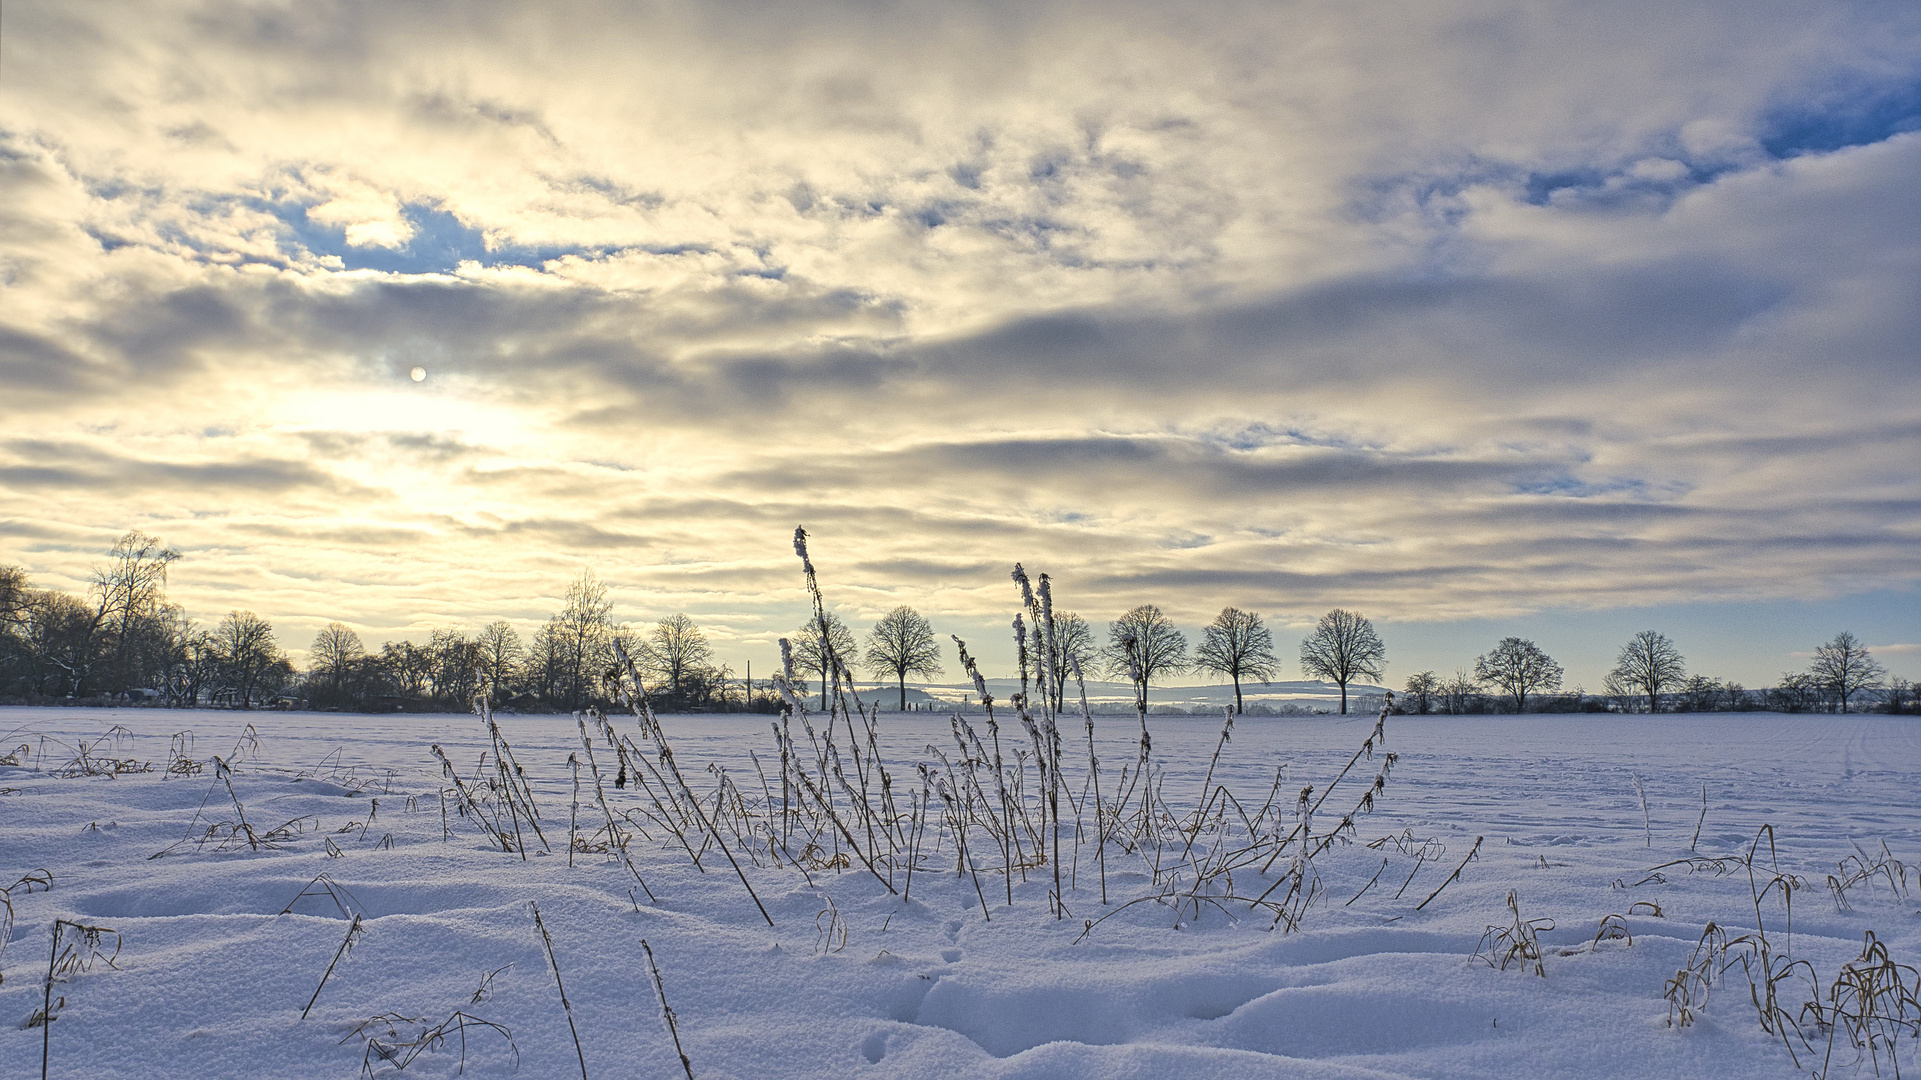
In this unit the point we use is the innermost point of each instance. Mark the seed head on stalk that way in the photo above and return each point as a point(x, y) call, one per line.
point(1020, 648)
point(784, 680)
point(1027, 590)
point(967, 662)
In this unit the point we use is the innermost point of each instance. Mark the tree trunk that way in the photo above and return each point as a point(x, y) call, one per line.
point(1237, 695)
point(903, 691)
point(1343, 698)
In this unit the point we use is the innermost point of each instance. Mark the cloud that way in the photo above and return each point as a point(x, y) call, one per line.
point(72, 467)
point(1459, 310)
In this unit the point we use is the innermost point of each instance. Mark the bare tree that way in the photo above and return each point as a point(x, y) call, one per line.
point(1700, 693)
point(1460, 691)
point(1342, 649)
point(581, 635)
point(813, 656)
point(1238, 645)
point(1073, 645)
point(336, 649)
point(1900, 694)
point(501, 657)
point(248, 652)
point(195, 667)
point(408, 666)
point(59, 642)
point(676, 651)
point(131, 587)
point(14, 595)
point(903, 643)
point(1519, 668)
point(545, 667)
point(456, 667)
point(1420, 688)
point(1734, 695)
point(1145, 645)
point(1844, 667)
point(1648, 664)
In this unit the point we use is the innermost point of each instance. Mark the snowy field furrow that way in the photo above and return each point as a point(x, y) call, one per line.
point(220, 952)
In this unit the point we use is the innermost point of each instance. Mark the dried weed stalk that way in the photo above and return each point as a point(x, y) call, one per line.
point(1863, 868)
point(1872, 1003)
point(667, 1011)
point(41, 879)
point(547, 943)
point(397, 1039)
point(346, 946)
point(323, 884)
point(76, 948)
point(1517, 943)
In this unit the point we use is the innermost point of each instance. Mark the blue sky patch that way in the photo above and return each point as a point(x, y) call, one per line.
point(441, 242)
point(1849, 115)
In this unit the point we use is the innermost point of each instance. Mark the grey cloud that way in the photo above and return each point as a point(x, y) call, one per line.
point(433, 447)
point(1567, 328)
point(334, 443)
point(1477, 333)
point(73, 467)
point(32, 364)
point(459, 112)
point(927, 569)
point(40, 530)
point(364, 536)
point(1158, 463)
point(568, 534)
point(163, 334)
point(1846, 440)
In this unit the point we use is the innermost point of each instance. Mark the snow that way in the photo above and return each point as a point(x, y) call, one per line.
point(212, 977)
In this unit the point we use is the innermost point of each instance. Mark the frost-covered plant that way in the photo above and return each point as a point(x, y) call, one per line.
point(41, 879)
point(1516, 943)
point(76, 948)
point(1872, 1002)
point(354, 932)
point(1865, 868)
point(397, 1039)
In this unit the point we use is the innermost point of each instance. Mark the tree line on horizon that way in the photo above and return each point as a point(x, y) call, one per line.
point(123, 639)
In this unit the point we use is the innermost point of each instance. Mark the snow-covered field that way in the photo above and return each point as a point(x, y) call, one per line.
point(211, 978)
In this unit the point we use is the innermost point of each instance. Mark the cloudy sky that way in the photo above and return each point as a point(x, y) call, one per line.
point(1478, 317)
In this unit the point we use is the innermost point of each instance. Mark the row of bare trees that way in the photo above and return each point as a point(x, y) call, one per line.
point(1143, 647)
point(122, 638)
point(567, 665)
point(1650, 674)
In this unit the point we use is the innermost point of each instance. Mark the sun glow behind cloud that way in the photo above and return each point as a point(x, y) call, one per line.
point(1444, 311)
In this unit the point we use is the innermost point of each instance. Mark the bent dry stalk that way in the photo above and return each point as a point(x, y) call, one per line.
point(666, 1011)
point(547, 943)
point(346, 946)
point(75, 949)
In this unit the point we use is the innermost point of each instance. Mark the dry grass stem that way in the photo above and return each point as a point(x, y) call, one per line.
point(667, 1011)
point(346, 946)
point(547, 943)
